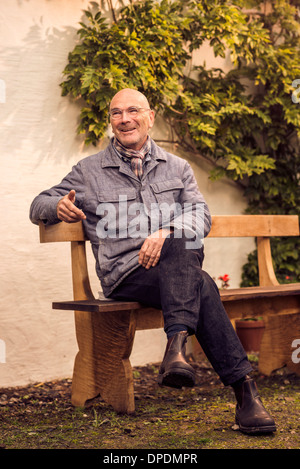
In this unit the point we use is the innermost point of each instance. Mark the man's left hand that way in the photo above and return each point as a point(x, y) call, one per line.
point(151, 248)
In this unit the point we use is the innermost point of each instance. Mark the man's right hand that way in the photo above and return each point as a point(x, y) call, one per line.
point(67, 211)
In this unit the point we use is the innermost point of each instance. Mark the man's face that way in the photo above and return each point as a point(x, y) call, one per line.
point(131, 131)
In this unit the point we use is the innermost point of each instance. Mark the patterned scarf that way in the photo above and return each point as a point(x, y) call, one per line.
point(136, 156)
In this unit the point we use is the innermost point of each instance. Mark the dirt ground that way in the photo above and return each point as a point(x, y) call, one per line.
point(40, 416)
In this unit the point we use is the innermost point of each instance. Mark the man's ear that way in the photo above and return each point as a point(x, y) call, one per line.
point(151, 118)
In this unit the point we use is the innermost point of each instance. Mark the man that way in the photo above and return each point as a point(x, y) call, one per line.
point(146, 219)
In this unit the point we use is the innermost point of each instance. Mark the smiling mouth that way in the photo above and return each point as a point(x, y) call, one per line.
point(127, 130)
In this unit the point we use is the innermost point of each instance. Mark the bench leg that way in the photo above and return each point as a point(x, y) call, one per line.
point(276, 346)
point(102, 365)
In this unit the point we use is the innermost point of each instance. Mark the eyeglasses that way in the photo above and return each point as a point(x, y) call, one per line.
point(132, 111)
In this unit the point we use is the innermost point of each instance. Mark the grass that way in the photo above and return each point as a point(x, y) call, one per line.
point(41, 416)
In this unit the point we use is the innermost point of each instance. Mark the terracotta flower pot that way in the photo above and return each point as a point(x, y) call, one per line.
point(250, 334)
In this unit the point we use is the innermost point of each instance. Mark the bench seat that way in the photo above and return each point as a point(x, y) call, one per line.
point(230, 295)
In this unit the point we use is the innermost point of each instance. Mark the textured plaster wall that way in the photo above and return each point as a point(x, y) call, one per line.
point(38, 147)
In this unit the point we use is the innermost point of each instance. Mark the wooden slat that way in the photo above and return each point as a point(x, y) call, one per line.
point(149, 318)
point(97, 306)
point(61, 232)
point(222, 226)
point(267, 276)
point(80, 275)
point(236, 294)
point(276, 347)
point(233, 294)
point(254, 225)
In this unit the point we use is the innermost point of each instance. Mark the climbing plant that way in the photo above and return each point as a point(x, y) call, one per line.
point(143, 49)
point(242, 120)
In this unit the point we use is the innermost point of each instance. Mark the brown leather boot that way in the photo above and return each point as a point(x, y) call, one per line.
point(174, 370)
point(251, 416)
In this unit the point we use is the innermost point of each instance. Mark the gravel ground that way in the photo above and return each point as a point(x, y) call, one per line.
point(40, 416)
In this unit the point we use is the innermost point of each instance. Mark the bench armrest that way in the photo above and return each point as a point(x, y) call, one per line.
point(61, 232)
point(74, 233)
point(266, 272)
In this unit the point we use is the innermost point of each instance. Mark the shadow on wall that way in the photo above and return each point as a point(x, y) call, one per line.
point(35, 118)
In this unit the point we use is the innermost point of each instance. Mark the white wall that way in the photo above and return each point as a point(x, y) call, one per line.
point(38, 147)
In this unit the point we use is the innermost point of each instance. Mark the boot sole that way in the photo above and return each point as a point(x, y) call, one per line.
point(177, 379)
point(254, 430)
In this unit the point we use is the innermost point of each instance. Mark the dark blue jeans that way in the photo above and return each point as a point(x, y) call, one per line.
point(187, 295)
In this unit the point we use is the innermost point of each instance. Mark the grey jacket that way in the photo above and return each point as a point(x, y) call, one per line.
point(121, 210)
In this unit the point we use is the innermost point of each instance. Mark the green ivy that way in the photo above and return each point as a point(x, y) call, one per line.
point(142, 50)
point(242, 121)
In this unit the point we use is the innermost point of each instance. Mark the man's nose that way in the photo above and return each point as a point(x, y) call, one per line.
point(125, 116)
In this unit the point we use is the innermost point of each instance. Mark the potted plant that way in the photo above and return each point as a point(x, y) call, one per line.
point(250, 332)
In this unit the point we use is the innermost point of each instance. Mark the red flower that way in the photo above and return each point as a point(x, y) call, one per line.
point(224, 277)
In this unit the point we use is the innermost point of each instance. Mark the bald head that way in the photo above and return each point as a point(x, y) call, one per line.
point(131, 129)
point(128, 94)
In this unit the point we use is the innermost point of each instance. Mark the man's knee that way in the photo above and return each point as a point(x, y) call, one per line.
point(183, 243)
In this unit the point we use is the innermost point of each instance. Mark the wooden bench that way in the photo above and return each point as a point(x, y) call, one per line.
point(105, 329)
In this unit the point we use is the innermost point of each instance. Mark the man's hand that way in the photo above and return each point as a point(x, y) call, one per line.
point(151, 248)
point(67, 211)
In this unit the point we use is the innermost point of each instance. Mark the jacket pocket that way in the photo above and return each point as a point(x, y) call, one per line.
point(167, 191)
point(167, 195)
point(114, 211)
point(164, 186)
point(116, 194)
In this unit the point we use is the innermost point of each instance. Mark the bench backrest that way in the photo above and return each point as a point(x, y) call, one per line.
point(233, 226)
point(222, 226)
point(261, 227)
